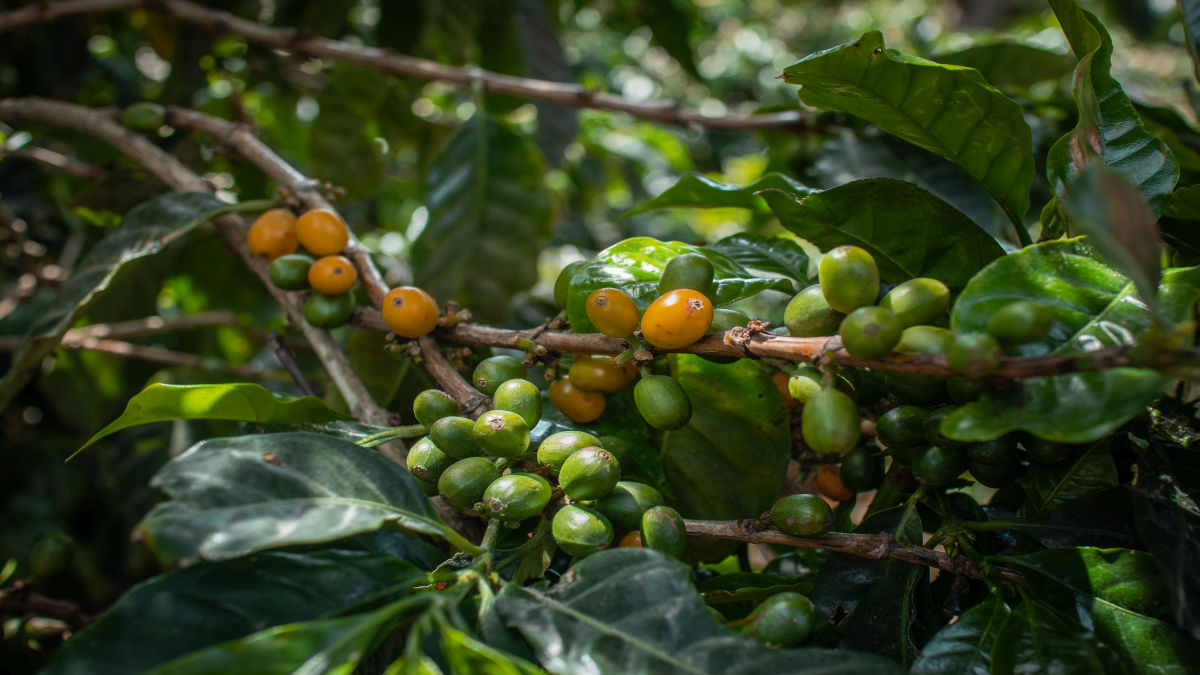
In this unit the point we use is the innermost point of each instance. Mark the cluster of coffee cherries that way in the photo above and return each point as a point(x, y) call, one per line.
point(910, 317)
point(487, 466)
point(277, 234)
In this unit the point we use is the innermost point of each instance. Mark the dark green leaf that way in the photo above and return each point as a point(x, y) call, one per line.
point(1048, 486)
point(238, 401)
point(465, 654)
point(947, 110)
point(1121, 594)
point(730, 461)
point(633, 611)
point(1095, 308)
point(910, 232)
point(1010, 63)
point(489, 215)
point(1036, 639)
point(774, 255)
point(233, 496)
point(1191, 29)
point(635, 265)
point(965, 646)
point(671, 21)
point(748, 588)
point(694, 190)
point(1184, 204)
point(1109, 128)
point(204, 605)
point(1099, 518)
point(144, 231)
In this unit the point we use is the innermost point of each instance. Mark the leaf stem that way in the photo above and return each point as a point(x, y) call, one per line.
point(406, 431)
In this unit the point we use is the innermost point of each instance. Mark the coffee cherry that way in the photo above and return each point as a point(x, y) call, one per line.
point(589, 473)
point(612, 312)
point(574, 403)
point(556, 448)
point(802, 515)
point(328, 311)
point(290, 272)
point(1021, 321)
point(849, 278)
point(677, 319)
point(432, 405)
point(500, 433)
point(426, 460)
point(627, 502)
point(495, 371)
point(464, 482)
point(580, 531)
point(918, 301)
point(785, 619)
point(862, 469)
point(455, 436)
point(409, 311)
point(974, 354)
point(805, 383)
point(902, 427)
point(322, 232)
point(521, 397)
point(830, 423)
point(604, 374)
point(938, 466)
point(829, 483)
point(273, 234)
point(870, 333)
point(516, 496)
point(924, 340)
point(687, 270)
point(663, 530)
point(808, 314)
point(662, 402)
point(332, 274)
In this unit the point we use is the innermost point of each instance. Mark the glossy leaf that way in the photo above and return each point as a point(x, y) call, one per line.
point(730, 461)
point(694, 190)
point(238, 401)
point(489, 211)
point(1120, 593)
point(910, 232)
point(144, 231)
point(1099, 517)
point(1109, 128)
point(774, 255)
point(193, 608)
point(1010, 63)
point(465, 654)
point(1037, 639)
point(1049, 486)
point(633, 610)
point(635, 265)
point(1095, 307)
point(233, 496)
point(965, 646)
point(948, 110)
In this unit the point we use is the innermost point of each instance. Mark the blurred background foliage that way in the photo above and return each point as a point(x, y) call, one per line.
point(380, 138)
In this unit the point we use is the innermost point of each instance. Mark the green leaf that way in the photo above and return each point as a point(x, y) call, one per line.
point(465, 654)
point(193, 608)
point(145, 230)
point(1191, 29)
point(1109, 128)
point(774, 255)
point(1121, 594)
point(341, 144)
point(1049, 486)
point(1094, 308)
point(634, 611)
point(1010, 63)
point(1096, 518)
point(694, 190)
point(489, 215)
point(238, 401)
point(965, 646)
point(635, 265)
point(948, 110)
point(1117, 222)
point(730, 461)
point(910, 232)
point(1037, 639)
point(1184, 203)
point(234, 496)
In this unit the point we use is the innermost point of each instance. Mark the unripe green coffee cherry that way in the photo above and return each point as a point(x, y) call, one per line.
point(849, 278)
point(290, 272)
point(627, 502)
point(328, 311)
point(589, 473)
point(918, 301)
point(808, 314)
point(429, 487)
point(465, 481)
point(501, 433)
point(862, 469)
point(802, 515)
point(783, 620)
point(426, 460)
point(516, 496)
point(521, 397)
point(933, 428)
point(144, 116)
point(432, 405)
point(963, 392)
point(581, 531)
point(915, 389)
point(1046, 452)
point(687, 270)
point(495, 371)
point(663, 530)
point(455, 436)
point(556, 448)
point(870, 333)
point(974, 354)
point(662, 402)
point(617, 447)
point(925, 340)
point(725, 319)
point(830, 423)
point(938, 466)
point(996, 451)
point(562, 285)
point(1021, 321)
point(51, 554)
point(996, 475)
point(902, 427)
point(805, 383)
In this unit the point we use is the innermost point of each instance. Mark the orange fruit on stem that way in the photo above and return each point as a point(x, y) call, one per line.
point(677, 319)
point(409, 311)
point(612, 312)
point(273, 234)
point(322, 232)
point(575, 403)
point(332, 274)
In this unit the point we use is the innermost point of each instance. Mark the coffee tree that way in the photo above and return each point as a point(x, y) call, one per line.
point(397, 364)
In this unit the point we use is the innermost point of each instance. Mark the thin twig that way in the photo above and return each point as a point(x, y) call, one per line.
point(275, 340)
point(470, 402)
point(20, 600)
point(158, 355)
point(54, 160)
point(300, 42)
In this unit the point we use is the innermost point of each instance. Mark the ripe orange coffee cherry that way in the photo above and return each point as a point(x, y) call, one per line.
point(677, 319)
point(612, 312)
point(409, 311)
point(322, 232)
point(575, 403)
point(273, 234)
point(331, 275)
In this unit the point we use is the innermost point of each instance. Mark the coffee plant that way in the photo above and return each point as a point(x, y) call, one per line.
point(401, 346)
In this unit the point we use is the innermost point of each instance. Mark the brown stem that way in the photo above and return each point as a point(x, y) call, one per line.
point(873, 546)
point(293, 40)
point(275, 340)
point(20, 600)
point(470, 402)
point(157, 355)
point(54, 160)
point(231, 228)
